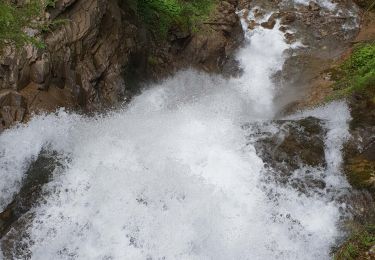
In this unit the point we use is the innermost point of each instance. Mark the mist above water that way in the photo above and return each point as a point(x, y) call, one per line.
point(175, 176)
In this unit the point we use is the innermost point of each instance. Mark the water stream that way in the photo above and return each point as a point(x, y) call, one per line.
point(175, 175)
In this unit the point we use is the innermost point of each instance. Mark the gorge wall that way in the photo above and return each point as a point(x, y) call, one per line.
point(102, 47)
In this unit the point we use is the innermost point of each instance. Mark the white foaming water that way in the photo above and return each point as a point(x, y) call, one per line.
point(336, 116)
point(259, 62)
point(327, 4)
point(172, 176)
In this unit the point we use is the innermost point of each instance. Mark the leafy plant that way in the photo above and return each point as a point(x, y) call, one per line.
point(357, 73)
point(14, 19)
point(50, 3)
point(161, 15)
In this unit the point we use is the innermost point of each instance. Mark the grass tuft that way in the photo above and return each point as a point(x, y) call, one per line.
point(357, 73)
point(162, 15)
point(358, 244)
point(15, 19)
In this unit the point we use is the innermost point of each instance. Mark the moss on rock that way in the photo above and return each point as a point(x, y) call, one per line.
point(360, 245)
point(361, 173)
point(356, 74)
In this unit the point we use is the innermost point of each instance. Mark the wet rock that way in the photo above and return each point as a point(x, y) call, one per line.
point(283, 28)
point(258, 13)
point(244, 4)
point(359, 151)
point(212, 48)
point(361, 172)
point(12, 108)
point(296, 143)
point(252, 24)
point(362, 110)
point(37, 175)
point(313, 6)
point(245, 13)
point(269, 24)
point(288, 18)
point(362, 205)
point(289, 37)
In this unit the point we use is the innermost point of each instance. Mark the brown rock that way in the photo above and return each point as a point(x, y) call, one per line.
point(12, 108)
point(88, 56)
point(244, 4)
point(258, 13)
point(289, 37)
point(269, 24)
point(283, 28)
point(40, 71)
point(288, 18)
point(252, 24)
point(313, 6)
point(227, 6)
point(246, 13)
point(11, 98)
point(232, 18)
point(296, 143)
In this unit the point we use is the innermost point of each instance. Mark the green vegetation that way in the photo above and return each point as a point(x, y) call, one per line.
point(159, 15)
point(357, 73)
point(14, 19)
point(361, 240)
point(162, 15)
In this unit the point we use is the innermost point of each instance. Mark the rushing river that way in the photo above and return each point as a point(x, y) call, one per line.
point(175, 175)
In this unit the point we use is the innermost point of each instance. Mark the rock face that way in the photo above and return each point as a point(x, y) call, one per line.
point(293, 152)
point(360, 150)
point(295, 144)
point(210, 49)
point(85, 56)
point(12, 108)
point(100, 47)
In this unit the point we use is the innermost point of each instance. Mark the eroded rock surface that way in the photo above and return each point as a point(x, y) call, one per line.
point(360, 149)
point(287, 145)
point(12, 108)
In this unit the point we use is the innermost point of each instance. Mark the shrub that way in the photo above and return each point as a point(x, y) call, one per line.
point(14, 19)
point(357, 73)
point(161, 15)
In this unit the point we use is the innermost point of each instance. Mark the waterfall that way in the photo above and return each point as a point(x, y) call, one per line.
point(174, 175)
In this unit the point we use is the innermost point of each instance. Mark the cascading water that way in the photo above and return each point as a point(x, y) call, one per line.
point(174, 175)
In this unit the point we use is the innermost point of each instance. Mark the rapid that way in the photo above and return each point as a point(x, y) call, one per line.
point(174, 174)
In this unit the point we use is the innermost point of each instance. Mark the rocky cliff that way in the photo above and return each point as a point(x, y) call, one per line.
point(99, 50)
